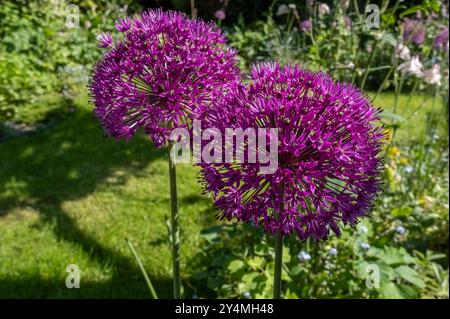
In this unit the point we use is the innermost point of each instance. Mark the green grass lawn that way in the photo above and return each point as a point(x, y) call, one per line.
point(415, 110)
point(69, 195)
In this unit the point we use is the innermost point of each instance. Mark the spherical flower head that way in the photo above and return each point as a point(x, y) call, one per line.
point(306, 26)
point(159, 74)
point(441, 40)
point(328, 161)
point(220, 14)
point(413, 30)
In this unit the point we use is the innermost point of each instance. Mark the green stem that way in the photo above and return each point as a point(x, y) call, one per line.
point(144, 272)
point(366, 73)
point(278, 265)
point(383, 83)
point(175, 228)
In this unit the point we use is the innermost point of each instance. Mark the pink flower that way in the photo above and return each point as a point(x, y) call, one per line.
point(433, 75)
point(220, 14)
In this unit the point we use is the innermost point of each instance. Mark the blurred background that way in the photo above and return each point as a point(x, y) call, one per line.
point(69, 195)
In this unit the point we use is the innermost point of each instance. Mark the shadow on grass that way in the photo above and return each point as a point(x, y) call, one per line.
point(38, 287)
point(68, 163)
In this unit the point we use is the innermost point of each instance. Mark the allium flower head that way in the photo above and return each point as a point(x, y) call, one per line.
point(328, 153)
point(413, 30)
point(163, 70)
point(306, 26)
point(441, 40)
point(220, 14)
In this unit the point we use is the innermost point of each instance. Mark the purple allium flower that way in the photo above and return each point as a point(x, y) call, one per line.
point(413, 30)
point(306, 26)
point(220, 14)
point(328, 153)
point(163, 70)
point(104, 40)
point(441, 40)
point(123, 24)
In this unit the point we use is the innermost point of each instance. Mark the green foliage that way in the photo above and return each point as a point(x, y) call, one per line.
point(43, 60)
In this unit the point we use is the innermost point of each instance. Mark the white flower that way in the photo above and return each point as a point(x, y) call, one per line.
point(345, 4)
point(363, 230)
point(365, 246)
point(400, 230)
point(303, 256)
point(433, 75)
point(333, 251)
point(285, 9)
point(409, 169)
point(402, 51)
point(324, 9)
point(282, 9)
point(413, 66)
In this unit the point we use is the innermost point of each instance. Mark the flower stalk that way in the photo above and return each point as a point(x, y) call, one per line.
point(175, 228)
point(278, 265)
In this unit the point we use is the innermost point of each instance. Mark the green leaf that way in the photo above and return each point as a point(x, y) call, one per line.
point(389, 38)
point(256, 262)
point(392, 117)
point(200, 275)
point(403, 211)
point(411, 10)
point(391, 291)
point(214, 283)
point(410, 275)
point(144, 272)
point(394, 256)
point(236, 265)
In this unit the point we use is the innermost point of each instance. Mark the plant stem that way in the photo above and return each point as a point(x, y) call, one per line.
point(278, 265)
point(175, 228)
point(144, 272)
point(371, 56)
